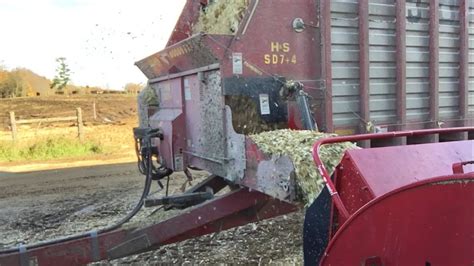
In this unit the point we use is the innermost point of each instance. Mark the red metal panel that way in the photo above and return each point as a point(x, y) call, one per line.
point(270, 46)
point(364, 63)
point(463, 60)
point(389, 168)
point(193, 119)
point(326, 62)
point(434, 62)
point(401, 63)
point(188, 17)
point(377, 136)
point(195, 52)
point(171, 119)
point(351, 185)
point(426, 223)
point(359, 173)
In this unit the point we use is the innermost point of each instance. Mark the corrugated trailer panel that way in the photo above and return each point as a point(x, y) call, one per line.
point(449, 60)
point(382, 54)
point(417, 42)
point(429, 84)
point(345, 62)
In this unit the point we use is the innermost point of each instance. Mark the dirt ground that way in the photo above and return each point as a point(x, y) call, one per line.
point(110, 108)
point(40, 205)
point(45, 200)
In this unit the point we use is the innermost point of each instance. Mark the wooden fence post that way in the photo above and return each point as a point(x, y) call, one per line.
point(80, 125)
point(94, 111)
point(13, 126)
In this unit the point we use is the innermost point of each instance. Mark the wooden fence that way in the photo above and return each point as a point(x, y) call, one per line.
point(78, 118)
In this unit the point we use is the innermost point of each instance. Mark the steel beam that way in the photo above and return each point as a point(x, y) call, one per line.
point(185, 73)
point(463, 61)
point(261, 212)
point(326, 62)
point(434, 60)
point(364, 68)
point(401, 57)
point(434, 66)
point(401, 76)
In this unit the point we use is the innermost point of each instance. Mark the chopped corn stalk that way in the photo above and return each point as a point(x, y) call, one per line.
point(221, 17)
point(298, 144)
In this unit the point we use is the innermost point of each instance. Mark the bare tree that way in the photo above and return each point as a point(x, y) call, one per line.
point(133, 88)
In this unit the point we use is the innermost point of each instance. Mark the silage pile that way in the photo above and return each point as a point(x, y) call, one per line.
point(246, 118)
point(221, 17)
point(298, 145)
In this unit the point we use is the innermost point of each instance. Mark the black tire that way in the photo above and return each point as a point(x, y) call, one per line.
point(316, 228)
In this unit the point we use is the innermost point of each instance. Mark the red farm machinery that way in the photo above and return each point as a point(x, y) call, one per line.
point(394, 76)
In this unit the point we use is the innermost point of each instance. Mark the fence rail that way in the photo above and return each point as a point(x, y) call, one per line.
point(77, 118)
point(47, 120)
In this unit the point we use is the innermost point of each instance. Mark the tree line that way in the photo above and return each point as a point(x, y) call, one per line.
point(14, 84)
point(22, 82)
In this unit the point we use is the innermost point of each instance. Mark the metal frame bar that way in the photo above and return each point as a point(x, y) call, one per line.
point(364, 61)
point(463, 60)
point(185, 73)
point(396, 134)
point(434, 61)
point(401, 56)
point(458, 168)
point(250, 16)
point(326, 62)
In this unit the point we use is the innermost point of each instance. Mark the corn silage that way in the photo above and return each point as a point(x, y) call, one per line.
point(221, 17)
point(298, 144)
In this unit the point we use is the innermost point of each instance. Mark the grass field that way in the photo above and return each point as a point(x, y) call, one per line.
point(108, 136)
point(47, 149)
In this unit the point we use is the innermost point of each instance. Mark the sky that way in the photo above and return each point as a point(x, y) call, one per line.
point(100, 39)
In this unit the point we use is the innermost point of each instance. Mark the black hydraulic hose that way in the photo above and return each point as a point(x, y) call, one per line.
point(146, 191)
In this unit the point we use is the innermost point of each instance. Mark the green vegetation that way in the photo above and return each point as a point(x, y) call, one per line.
point(63, 75)
point(22, 82)
point(11, 84)
point(47, 149)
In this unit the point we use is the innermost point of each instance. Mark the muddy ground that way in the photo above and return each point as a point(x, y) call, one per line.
point(36, 206)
